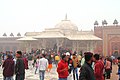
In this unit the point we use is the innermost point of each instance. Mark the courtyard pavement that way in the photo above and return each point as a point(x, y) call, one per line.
point(30, 75)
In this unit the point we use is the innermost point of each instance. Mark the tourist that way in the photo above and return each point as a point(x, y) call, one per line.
point(62, 68)
point(75, 66)
point(70, 62)
point(82, 60)
point(25, 62)
point(37, 64)
point(70, 66)
point(79, 60)
point(34, 61)
point(8, 68)
point(118, 67)
point(50, 64)
point(86, 72)
point(19, 67)
point(108, 68)
point(98, 67)
point(57, 58)
point(30, 58)
point(43, 64)
point(1, 58)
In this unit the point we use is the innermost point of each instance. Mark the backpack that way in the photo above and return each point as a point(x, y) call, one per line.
point(25, 63)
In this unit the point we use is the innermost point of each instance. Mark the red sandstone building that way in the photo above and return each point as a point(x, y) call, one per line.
point(110, 34)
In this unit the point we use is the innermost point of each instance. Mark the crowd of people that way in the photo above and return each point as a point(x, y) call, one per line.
point(91, 67)
point(70, 65)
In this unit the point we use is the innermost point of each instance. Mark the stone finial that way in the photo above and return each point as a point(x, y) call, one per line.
point(104, 22)
point(4, 34)
point(96, 23)
point(66, 17)
point(18, 34)
point(11, 35)
point(115, 22)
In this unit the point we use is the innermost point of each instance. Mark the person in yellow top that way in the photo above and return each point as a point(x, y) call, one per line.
point(57, 58)
point(79, 57)
point(75, 60)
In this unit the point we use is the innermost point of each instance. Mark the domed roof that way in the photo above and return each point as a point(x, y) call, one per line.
point(66, 25)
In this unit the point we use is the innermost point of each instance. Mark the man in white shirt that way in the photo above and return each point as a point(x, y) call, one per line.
point(43, 64)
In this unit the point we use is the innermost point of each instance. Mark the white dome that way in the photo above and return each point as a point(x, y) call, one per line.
point(66, 25)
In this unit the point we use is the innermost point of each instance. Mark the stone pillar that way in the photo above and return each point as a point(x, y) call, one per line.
point(57, 45)
point(43, 43)
point(29, 47)
point(77, 46)
point(87, 45)
point(73, 45)
point(38, 44)
point(26, 45)
point(91, 46)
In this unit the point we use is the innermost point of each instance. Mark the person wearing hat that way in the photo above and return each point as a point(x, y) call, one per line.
point(87, 72)
point(70, 65)
point(19, 67)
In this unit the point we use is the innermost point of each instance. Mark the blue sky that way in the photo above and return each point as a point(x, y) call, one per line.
point(36, 15)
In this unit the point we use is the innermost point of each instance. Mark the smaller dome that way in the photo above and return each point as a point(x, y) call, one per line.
point(66, 25)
